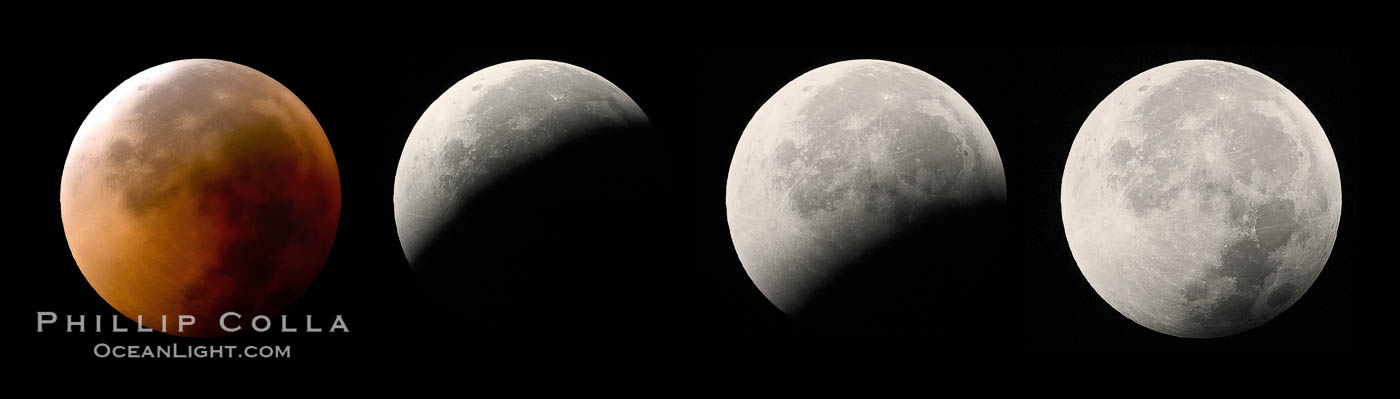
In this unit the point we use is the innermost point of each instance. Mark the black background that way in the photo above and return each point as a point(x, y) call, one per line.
point(698, 303)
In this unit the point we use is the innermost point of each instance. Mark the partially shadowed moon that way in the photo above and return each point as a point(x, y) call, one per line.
point(199, 187)
point(863, 173)
point(1201, 199)
point(524, 199)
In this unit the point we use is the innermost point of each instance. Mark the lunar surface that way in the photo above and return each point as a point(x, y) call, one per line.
point(519, 198)
point(843, 161)
point(1201, 199)
point(199, 187)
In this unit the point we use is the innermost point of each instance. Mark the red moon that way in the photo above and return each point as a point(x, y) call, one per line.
point(199, 187)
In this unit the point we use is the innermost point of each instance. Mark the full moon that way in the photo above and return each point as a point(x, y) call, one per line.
point(199, 187)
point(1201, 199)
point(518, 180)
point(843, 162)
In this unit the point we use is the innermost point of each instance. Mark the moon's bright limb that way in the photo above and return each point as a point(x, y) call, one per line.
point(199, 187)
point(843, 158)
point(1201, 199)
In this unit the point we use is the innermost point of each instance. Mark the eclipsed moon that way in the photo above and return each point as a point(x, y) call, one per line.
point(506, 181)
point(199, 187)
point(1201, 199)
point(840, 162)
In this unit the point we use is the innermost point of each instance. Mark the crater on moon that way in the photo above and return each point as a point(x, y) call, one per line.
point(1201, 198)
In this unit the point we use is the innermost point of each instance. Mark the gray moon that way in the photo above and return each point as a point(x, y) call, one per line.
point(482, 133)
point(1201, 199)
point(843, 159)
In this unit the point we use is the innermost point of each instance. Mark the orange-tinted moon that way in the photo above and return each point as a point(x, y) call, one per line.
point(200, 187)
